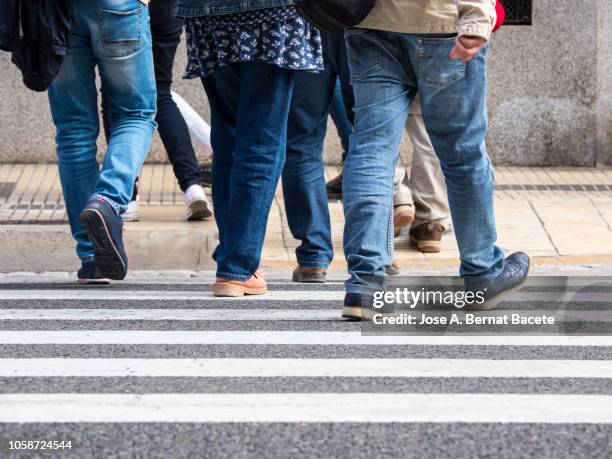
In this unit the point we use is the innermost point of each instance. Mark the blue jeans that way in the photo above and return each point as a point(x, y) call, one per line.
point(304, 190)
point(249, 104)
point(115, 37)
point(387, 70)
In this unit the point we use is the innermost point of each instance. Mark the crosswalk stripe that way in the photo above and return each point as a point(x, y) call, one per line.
point(148, 295)
point(273, 295)
point(120, 337)
point(81, 314)
point(306, 407)
point(306, 368)
point(170, 314)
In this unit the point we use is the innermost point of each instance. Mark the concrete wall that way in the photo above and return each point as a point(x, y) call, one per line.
point(550, 94)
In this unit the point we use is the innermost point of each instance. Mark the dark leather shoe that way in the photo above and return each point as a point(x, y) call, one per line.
point(427, 237)
point(206, 173)
point(511, 279)
point(104, 229)
point(334, 187)
point(309, 275)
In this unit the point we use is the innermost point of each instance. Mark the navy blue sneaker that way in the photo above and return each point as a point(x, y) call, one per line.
point(104, 229)
point(89, 274)
point(511, 279)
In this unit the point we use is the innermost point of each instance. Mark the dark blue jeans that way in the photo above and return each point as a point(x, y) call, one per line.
point(249, 104)
point(303, 176)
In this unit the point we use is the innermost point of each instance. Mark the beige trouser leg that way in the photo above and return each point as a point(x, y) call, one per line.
point(425, 188)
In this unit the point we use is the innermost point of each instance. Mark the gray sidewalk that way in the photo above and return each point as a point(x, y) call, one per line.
point(557, 215)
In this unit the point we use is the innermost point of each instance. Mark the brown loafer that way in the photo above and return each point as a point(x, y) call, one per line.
point(255, 285)
point(427, 237)
point(309, 275)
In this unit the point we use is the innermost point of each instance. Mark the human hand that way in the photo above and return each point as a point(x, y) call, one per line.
point(466, 47)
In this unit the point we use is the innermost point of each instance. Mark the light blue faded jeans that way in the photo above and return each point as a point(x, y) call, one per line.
point(113, 35)
point(387, 70)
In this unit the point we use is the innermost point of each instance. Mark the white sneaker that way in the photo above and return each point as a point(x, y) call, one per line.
point(132, 214)
point(198, 207)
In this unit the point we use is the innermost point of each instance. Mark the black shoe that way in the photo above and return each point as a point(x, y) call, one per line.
point(361, 307)
point(104, 229)
point(206, 174)
point(511, 279)
point(334, 188)
point(89, 274)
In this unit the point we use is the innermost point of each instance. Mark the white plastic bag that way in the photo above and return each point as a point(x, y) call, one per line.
point(199, 130)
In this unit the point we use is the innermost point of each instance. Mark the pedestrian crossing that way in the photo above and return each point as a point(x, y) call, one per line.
point(89, 361)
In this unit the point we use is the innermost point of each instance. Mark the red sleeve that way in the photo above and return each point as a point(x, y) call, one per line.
point(501, 15)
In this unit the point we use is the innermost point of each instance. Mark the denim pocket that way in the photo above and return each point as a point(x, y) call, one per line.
point(364, 53)
point(435, 67)
point(121, 27)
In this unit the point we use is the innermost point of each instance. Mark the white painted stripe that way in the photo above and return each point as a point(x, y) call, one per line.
point(256, 314)
point(275, 295)
point(170, 314)
point(306, 368)
point(168, 295)
point(359, 407)
point(284, 337)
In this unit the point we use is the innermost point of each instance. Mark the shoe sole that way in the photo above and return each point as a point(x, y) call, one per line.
point(494, 302)
point(401, 221)
point(426, 246)
point(107, 258)
point(199, 211)
point(232, 290)
point(309, 278)
point(357, 313)
point(94, 281)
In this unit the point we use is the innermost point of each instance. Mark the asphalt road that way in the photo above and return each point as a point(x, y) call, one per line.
point(165, 370)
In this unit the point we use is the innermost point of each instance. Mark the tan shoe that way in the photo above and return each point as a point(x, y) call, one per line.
point(427, 237)
point(393, 269)
point(402, 216)
point(309, 275)
point(255, 285)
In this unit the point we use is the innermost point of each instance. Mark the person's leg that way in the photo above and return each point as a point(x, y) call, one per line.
point(403, 204)
point(344, 100)
point(166, 32)
point(121, 42)
point(122, 45)
point(383, 90)
point(73, 101)
point(223, 91)
point(304, 191)
point(264, 97)
point(402, 194)
point(426, 177)
point(340, 117)
point(453, 103)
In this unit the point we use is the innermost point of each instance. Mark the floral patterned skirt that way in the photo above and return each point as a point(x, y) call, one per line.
point(278, 36)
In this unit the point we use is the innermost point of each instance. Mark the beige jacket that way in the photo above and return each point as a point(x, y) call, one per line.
point(466, 17)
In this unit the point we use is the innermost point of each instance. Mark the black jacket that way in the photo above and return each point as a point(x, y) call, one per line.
point(37, 33)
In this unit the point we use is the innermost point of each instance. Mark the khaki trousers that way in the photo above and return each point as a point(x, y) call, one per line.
point(424, 188)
